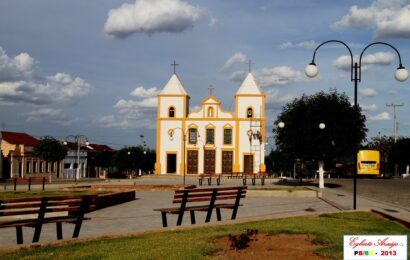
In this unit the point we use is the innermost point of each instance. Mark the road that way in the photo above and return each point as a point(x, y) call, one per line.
point(394, 191)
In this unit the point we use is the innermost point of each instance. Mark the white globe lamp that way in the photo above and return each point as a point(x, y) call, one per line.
point(322, 126)
point(281, 125)
point(401, 74)
point(311, 70)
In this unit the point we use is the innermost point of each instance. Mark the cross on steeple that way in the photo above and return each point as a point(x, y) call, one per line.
point(250, 65)
point(210, 88)
point(174, 64)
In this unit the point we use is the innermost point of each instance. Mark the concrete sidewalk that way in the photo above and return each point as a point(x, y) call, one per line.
point(138, 215)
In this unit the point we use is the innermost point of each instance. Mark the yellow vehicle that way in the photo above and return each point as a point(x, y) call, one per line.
point(368, 162)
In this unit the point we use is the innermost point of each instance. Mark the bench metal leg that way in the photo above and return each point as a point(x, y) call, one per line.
point(235, 210)
point(192, 217)
point(19, 235)
point(218, 181)
point(164, 219)
point(218, 214)
point(180, 217)
point(59, 228)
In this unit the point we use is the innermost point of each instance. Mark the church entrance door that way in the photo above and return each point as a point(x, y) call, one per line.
point(248, 163)
point(192, 162)
point(209, 161)
point(171, 163)
point(227, 162)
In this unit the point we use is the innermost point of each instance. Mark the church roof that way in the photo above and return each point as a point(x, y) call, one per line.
point(249, 86)
point(173, 86)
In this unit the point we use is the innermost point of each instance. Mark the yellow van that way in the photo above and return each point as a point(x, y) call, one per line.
point(368, 162)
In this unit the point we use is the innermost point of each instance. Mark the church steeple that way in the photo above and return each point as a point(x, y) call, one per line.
point(249, 86)
point(173, 87)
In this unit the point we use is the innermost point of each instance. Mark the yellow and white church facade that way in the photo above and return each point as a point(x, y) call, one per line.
point(210, 140)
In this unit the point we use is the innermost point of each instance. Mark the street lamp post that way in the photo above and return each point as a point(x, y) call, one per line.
point(183, 146)
point(355, 76)
point(80, 140)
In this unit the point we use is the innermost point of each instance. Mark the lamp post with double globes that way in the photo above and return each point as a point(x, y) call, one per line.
point(355, 76)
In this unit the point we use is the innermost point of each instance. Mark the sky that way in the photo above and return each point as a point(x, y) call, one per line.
point(95, 67)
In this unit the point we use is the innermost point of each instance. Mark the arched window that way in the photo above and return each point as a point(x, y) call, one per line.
point(210, 112)
point(171, 112)
point(249, 112)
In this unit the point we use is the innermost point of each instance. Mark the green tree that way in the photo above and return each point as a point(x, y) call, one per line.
point(303, 139)
point(132, 159)
point(50, 150)
point(400, 154)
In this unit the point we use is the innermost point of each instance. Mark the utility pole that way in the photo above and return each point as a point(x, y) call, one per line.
point(395, 119)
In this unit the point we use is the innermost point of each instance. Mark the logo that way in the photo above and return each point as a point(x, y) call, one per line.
point(392, 247)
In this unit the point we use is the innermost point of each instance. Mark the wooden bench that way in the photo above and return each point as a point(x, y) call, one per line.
point(217, 198)
point(254, 176)
point(209, 177)
point(34, 212)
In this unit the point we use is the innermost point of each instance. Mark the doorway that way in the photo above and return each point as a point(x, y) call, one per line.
point(171, 163)
point(192, 162)
point(209, 161)
point(248, 163)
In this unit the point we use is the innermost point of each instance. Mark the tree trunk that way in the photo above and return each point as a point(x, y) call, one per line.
point(321, 174)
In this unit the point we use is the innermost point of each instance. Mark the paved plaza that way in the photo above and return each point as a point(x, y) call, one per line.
point(138, 215)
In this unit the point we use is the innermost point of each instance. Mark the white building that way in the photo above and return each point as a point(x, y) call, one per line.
point(216, 141)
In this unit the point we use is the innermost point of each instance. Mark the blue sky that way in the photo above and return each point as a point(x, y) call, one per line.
point(95, 67)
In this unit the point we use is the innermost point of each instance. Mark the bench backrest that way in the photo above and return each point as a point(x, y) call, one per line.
point(73, 205)
point(208, 194)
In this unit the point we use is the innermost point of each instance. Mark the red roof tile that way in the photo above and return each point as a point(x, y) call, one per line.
point(19, 138)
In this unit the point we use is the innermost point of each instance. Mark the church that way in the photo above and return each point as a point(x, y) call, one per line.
point(209, 139)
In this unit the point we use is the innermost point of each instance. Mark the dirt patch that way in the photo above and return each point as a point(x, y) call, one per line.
point(264, 246)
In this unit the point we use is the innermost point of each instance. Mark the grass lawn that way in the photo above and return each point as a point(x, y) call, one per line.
point(197, 243)
point(30, 194)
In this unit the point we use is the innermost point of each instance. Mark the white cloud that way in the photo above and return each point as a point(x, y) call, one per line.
point(378, 58)
point(213, 23)
point(389, 18)
point(16, 68)
point(278, 76)
point(144, 93)
point(268, 77)
point(18, 84)
point(238, 57)
point(47, 114)
point(133, 113)
point(304, 45)
point(151, 16)
point(111, 121)
point(275, 99)
point(380, 117)
point(367, 92)
point(370, 107)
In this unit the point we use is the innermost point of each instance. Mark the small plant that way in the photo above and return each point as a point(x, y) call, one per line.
point(242, 241)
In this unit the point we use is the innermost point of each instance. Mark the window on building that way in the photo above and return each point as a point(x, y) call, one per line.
point(210, 112)
point(53, 166)
point(192, 135)
point(171, 112)
point(27, 167)
point(227, 136)
point(249, 112)
point(210, 136)
point(41, 167)
point(34, 167)
point(47, 167)
point(67, 166)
